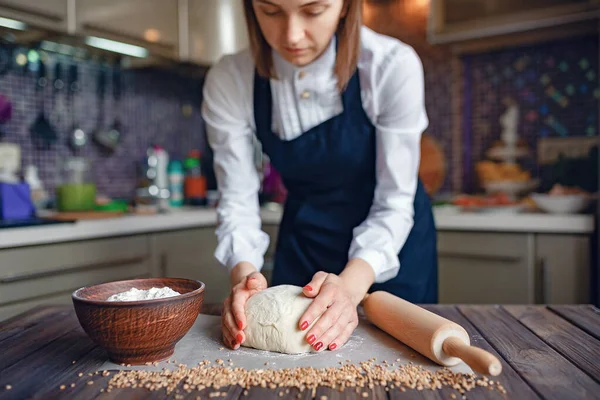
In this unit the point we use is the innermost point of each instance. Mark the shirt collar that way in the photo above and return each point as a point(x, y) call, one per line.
point(323, 65)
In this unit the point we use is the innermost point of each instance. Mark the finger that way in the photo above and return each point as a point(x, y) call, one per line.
point(329, 326)
point(238, 304)
point(314, 286)
point(228, 337)
point(256, 281)
point(318, 306)
point(339, 341)
point(229, 322)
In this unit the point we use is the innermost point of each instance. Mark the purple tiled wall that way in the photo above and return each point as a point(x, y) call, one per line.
point(150, 111)
point(555, 85)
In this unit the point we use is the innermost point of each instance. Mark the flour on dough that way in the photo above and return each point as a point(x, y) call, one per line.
point(273, 317)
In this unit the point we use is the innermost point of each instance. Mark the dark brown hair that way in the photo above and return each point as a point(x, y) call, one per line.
point(348, 36)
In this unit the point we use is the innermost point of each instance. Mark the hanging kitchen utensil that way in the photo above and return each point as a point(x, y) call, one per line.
point(101, 136)
point(77, 136)
point(43, 134)
point(115, 130)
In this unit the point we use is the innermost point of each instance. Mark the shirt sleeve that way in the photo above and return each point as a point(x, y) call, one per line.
point(400, 121)
point(239, 233)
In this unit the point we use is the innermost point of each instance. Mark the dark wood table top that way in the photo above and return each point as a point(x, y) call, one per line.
point(547, 352)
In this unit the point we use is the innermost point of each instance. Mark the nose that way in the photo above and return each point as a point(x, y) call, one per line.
point(294, 31)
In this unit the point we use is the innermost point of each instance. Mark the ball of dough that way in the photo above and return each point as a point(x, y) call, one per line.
point(273, 317)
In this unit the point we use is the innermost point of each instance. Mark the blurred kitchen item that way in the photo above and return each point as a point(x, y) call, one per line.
point(112, 206)
point(153, 185)
point(39, 196)
point(563, 200)
point(565, 204)
point(5, 111)
point(505, 177)
point(10, 162)
point(42, 132)
point(77, 136)
point(116, 128)
point(77, 192)
point(176, 179)
point(104, 138)
point(195, 182)
point(432, 167)
point(15, 201)
point(83, 215)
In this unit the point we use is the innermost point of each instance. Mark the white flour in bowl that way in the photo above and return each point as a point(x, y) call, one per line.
point(134, 294)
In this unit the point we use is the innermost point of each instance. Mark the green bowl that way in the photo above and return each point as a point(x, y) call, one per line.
point(76, 197)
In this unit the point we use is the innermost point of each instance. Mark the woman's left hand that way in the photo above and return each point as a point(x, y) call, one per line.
point(338, 308)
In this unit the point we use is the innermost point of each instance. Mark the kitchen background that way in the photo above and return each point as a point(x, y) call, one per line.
point(510, 156)
point(554, 83)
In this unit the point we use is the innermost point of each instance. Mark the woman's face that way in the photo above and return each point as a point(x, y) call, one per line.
point(299, 30)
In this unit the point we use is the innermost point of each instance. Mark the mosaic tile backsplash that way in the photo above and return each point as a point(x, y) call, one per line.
point(150, 111)
point(555, 86)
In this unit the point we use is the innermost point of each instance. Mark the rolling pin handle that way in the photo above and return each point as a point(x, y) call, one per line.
point(478, 359)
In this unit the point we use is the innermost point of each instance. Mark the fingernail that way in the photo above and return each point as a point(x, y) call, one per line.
point(311, 339)
point(233, 343)
point(318, 346)
point(239, 338)
point(240, 325)
point(304, 325)
point(332, 346)
point(308, 287)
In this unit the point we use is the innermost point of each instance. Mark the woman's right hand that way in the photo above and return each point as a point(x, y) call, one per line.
point(249, 282)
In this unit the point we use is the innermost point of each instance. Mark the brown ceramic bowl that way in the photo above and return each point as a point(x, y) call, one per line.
point(137, 332)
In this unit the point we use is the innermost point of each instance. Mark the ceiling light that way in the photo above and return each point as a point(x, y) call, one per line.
point(117, 47)
point(13, 24)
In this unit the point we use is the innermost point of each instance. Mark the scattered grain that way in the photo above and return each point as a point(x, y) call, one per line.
point(72, 385)
point(8, 387)
point(90, 383)
point(62, 387)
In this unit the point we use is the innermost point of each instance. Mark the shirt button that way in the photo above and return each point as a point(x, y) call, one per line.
point(301, 74)
point(305, 94)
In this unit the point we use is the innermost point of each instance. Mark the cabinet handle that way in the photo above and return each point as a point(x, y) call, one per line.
point(544, 280)
point(45, 274)
point(163, 265)
point(452, 254)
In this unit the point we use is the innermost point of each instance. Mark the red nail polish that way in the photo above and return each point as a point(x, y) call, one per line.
point(240, 325)
point(332, 346)
point(304, 325)
point(318, 346)
point(308, 287)
point(311, 339)
point(239, 338)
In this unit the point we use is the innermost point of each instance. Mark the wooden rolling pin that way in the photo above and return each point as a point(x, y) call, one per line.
point(435, 337)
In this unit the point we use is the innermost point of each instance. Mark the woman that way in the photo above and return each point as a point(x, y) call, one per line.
point(339, 109)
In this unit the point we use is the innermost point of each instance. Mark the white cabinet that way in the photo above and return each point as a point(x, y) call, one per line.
point(147, 23)
point(452, 21)
point(513, 268)
point(216, 27)
point(482, 268)
point(48, 14)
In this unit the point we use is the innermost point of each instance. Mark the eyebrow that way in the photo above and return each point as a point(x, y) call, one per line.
point(311, 3)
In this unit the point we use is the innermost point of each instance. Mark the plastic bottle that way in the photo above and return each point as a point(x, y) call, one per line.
point(176, 178)
point(195, 182)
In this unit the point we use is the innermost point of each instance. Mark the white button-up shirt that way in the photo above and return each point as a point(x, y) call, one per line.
point(392, 90)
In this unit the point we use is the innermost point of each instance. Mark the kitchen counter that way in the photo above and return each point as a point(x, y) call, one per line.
point(191, 218)
point(547, 352)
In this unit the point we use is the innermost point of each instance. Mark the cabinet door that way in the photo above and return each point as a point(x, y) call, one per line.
point(485, 268)
point(564, 269)
point(49, 14)
point(142, 22)
point(217, 27)
point(190, 254)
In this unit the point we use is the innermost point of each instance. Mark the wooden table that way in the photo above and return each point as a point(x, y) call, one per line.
point(548, 352)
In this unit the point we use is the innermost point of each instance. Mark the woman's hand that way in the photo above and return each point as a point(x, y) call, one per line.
point(336, 298)
point(233, 319)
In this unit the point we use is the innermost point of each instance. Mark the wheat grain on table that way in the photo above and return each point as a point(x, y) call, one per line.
point(547, 352)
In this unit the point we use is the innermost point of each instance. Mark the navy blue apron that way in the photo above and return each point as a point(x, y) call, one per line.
point(329, 173)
